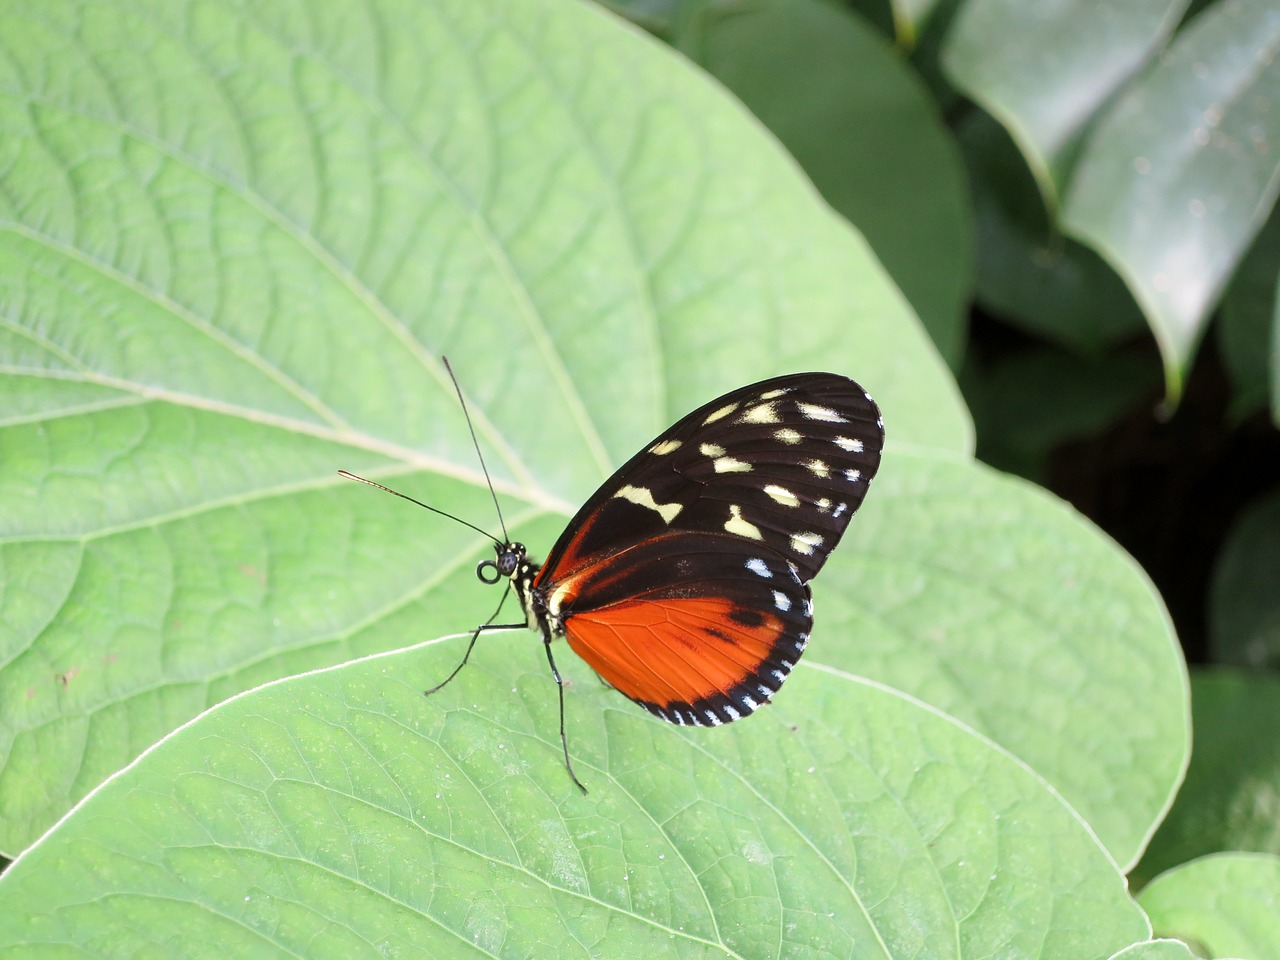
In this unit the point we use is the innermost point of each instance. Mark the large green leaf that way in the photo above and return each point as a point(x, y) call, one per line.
point(1156, 950)
point(1178, 176)
point(341, 815)
point(984, 596)
point(233, 246)
point(1044, 69)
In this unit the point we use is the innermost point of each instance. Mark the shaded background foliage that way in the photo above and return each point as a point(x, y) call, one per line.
point(969, 141)
point(1079, 201)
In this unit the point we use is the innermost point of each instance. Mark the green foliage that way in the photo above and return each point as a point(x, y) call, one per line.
point(845, 138)
point(236, 243)
point(1244, 606)
point(1226, 905)
point(1231, 797)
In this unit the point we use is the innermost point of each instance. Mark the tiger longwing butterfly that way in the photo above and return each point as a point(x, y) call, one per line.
point(684, 580)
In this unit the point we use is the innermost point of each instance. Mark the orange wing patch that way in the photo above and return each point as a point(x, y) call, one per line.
point(681, 656)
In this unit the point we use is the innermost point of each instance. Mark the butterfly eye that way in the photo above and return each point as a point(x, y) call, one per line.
point(488, 572)
point(509, 559)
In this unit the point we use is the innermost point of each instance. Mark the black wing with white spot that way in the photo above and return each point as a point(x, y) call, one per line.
point(779, 466)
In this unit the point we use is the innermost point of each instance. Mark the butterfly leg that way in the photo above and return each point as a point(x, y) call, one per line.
point(487, 625)
point(564, 741)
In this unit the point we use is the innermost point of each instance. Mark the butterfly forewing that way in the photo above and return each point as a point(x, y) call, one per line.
point(683, 580)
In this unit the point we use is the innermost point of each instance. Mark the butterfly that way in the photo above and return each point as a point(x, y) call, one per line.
point(684, 580)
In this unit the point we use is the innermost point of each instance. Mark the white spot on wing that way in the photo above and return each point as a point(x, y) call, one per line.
point(711, 450)
point(787, 435)
point(853, 476)
point(760, 413)
point(819, 468)
point(805, 542)
point(847, 443)
point(749, 703)
point(841, 508)
point(715, 721)
point(730, 465)
point(720, 414)
point(823, 505)
point(779, 676)
point(813, 411)
point(781, 601)
point(739, 527)
point(663, 447)
point(759, 568)
point(732, 713)
point(765, 691)
point(782, 495)
point(643, 497)
point(775, 394)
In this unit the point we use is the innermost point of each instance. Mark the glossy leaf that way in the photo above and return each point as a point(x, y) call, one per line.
point(1029, 275)
point(1045, 69)
point(1179, 175)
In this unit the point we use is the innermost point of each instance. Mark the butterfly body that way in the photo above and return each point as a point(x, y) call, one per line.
point(684, 581)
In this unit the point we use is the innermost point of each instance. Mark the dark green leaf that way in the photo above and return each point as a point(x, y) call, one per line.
point(1046, 69)
point(1249, 328)
point(1182, 171)
point(1231, 797)
point(1029, 404)
point(1029, 274)
point(1244, 608)
point(860, 122)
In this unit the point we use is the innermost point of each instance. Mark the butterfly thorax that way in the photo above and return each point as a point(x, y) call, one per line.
point(513, 562)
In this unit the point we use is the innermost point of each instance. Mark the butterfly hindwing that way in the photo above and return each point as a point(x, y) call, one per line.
point(689, 626)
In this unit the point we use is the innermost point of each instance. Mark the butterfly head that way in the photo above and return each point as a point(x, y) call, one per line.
point(510, 558)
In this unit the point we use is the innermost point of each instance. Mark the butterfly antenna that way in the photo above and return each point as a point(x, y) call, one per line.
point(405, 496)
point(476, 443)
